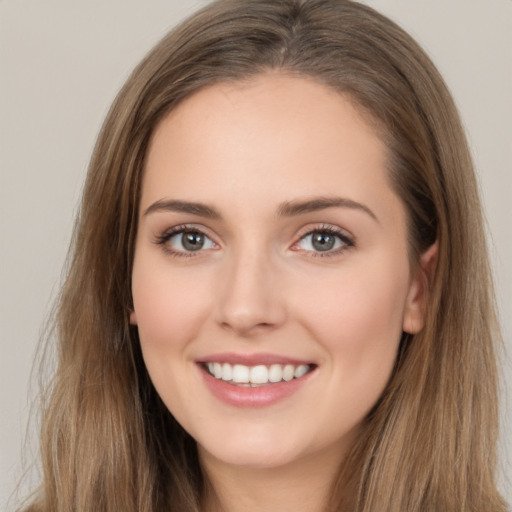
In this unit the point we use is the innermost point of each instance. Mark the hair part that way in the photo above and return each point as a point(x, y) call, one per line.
point(109, 443)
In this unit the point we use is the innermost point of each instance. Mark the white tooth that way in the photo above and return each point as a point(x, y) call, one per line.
point(259, 374)
point(210, 368)
point(301, 370)
point(217, 370)
point(240, 373)
point(275, 373)
point(227, 371)
point(288, 372)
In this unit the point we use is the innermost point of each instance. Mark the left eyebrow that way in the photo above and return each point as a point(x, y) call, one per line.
point(299, 207)
point(193, 208)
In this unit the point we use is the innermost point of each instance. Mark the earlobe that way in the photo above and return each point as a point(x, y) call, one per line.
point(133, 317)
point(417, 298)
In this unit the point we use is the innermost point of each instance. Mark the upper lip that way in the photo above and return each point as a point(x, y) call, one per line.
point(251, 359)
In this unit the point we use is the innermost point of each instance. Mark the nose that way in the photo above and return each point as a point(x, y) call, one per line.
point(250, 301)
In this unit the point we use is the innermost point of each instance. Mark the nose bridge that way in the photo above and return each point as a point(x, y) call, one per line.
point(250, 299)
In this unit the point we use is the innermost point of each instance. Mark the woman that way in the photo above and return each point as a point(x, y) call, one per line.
point(268, 303)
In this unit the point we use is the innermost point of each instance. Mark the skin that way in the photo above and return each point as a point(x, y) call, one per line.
point(260, 286)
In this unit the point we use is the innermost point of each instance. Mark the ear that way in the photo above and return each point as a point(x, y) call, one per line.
point(416, 302)
point(133, 317)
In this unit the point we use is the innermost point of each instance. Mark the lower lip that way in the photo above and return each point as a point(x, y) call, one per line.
point(252, 397)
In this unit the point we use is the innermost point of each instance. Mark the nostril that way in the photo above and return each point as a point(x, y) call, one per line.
point(247, 329)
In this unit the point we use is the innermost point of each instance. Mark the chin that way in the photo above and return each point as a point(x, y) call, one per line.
point(255, 452)
point(251, 459)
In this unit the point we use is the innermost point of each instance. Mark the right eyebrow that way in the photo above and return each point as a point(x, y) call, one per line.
point(290, 208)
point(172, 205)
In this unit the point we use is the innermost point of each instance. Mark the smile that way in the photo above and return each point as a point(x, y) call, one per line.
point(255, 380)
point(255, 376)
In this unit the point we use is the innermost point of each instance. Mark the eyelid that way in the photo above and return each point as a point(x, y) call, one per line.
point(348, 240)
point(324, 226)
point(162, 238)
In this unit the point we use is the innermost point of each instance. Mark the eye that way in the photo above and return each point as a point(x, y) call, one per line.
point(183, 240)
point(324, 240)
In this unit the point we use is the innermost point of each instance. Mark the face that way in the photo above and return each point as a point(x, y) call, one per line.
point(271, 279)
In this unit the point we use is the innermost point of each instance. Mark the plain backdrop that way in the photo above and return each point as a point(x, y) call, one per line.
point(61, 64)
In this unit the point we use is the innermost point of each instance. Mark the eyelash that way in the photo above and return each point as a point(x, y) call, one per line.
point(168, 234)
point(347, 241)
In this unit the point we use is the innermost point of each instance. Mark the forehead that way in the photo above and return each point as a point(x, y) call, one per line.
point(263, 141)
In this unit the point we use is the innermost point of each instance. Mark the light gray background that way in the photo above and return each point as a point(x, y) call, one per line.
point(62, 62)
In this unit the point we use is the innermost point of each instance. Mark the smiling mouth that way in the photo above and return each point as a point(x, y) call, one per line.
point(256, 376)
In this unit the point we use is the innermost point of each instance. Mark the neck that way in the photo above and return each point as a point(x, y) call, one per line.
point(303, 485)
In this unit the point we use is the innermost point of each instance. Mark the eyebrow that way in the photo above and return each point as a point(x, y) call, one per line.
point(172, 205)
point(286, 209)
point(290, 208)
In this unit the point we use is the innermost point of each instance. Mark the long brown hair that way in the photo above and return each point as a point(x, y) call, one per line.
point(108, 443)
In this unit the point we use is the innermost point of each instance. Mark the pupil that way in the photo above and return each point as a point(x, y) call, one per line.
point(323, 241)
point(192, 241)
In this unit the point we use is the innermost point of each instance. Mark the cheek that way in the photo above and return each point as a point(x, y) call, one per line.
point(168, 307)
point(357, 319)
point(357, 316)
point(169, 312)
